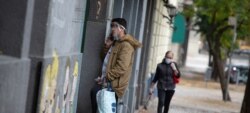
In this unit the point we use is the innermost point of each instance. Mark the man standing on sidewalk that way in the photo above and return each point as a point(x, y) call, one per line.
point(117, 65)
point(121, 59)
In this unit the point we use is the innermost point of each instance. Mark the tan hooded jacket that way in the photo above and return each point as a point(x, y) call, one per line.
point(120, 63)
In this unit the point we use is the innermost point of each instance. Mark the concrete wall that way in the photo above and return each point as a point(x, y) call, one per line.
point(64, 27)
point(12, 21)
point(61, 58)
point(49, 32)
point(13, 84)
point(59, 84)
point(91, 61)
point(55, 29)
point(161, 36)
point(36, 52)
point(14, 61)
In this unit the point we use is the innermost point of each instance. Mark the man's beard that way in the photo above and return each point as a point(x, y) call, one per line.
point(116, 37)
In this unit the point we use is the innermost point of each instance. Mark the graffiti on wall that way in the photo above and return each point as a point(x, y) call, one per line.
point(99, 6)
point(69, 88)
point(49, 86)
point(59, 85)
point(97, 10)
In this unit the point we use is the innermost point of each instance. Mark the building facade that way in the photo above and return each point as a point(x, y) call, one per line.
point(50, 51)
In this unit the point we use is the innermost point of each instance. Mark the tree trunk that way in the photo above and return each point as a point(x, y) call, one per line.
point(210, 61)
point(215, 73)
point(219, 66)
point(246, 101)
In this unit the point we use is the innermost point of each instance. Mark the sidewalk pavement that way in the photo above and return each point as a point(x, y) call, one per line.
point(199, 100)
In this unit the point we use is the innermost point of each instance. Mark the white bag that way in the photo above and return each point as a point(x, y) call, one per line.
point(106, 101)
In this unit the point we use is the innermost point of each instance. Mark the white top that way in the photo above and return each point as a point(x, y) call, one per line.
point(105, 63)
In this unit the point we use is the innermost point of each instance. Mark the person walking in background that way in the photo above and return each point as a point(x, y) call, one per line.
point(165, 72)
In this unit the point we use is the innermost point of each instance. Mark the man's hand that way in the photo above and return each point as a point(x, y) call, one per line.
point(98, 80)
point(151, 91)
point(176, 72)
point(108, 43)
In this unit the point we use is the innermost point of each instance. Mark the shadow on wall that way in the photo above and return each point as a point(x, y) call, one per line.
point(58, 90)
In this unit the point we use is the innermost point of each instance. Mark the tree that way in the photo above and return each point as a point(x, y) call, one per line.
point(246, 101)
point(211, 20)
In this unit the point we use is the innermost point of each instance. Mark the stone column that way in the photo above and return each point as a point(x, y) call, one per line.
point(15, 25)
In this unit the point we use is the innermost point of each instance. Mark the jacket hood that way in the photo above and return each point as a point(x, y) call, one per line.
point(135, 43)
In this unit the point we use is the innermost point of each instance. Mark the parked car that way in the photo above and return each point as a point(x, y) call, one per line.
point(238, 74)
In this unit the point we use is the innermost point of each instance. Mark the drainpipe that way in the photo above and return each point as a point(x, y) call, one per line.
point(110, 7)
